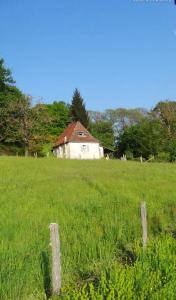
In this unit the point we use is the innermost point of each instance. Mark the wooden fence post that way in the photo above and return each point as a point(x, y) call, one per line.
point(144, 223)
point(56, 265)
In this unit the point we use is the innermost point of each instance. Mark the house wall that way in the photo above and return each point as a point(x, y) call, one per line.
point(62, 151)
point(84, 151)
point(79, 151)
point(101, 151)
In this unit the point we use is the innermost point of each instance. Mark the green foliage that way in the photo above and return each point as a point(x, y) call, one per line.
point(59, 114)
point(146, 138)
point(166, 112)
point(103, 131)
point(123, 117)
point(24, 127)
point(129, 155)
point(171, 148)
point(100, 228)
point(5, 77)
point(9, 94)
point(163, 156)
point(78, 110)
point(152, 276)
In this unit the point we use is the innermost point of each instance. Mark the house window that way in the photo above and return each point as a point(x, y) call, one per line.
point(84, 148)
point(81, 133)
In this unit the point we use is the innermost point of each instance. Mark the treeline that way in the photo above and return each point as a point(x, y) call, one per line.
point(28, 129)
point(139, 132)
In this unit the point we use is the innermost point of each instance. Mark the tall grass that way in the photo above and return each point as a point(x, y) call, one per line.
point(96, 204)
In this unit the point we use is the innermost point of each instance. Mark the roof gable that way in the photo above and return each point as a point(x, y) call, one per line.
point(75, 132)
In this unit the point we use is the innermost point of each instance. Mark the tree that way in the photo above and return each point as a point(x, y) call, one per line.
point(78, 110)
point(19, 122)
point(59, 114)
point(5, 77)
point(123, 117)
point(146, 138)
point(103, 131)
point(96, 116)
point(9, 95)
point(165, 111)
point(17, 117)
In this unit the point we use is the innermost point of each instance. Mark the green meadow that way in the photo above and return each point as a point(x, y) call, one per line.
point(97, 207)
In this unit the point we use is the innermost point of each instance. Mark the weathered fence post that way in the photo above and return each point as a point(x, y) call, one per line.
point(56, 265)
point(144, 223)
point(26, 154)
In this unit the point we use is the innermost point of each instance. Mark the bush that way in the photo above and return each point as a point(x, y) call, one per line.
point(163, 157)
point(129, 155)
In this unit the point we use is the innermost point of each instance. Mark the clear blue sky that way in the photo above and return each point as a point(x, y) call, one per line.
point(119, 53)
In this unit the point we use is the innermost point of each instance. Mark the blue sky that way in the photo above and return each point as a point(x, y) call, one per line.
point(118, 53)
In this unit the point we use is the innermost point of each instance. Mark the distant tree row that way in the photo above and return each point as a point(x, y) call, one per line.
point(27, 128)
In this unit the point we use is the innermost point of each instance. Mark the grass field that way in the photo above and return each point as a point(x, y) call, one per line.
point(96, 204)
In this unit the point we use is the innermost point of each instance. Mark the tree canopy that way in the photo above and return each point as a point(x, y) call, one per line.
point(5, 76)
point(103, 131)
point(78, 110)
point(24, 127)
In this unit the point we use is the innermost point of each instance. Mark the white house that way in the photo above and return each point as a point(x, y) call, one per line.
point(77, 143)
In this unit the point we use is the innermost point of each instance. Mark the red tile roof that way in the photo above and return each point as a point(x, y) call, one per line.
point(71, 134)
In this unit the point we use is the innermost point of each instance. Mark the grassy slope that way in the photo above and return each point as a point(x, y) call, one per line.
point(96, 204)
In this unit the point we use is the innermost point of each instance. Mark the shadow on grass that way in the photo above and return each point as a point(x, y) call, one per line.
point(87, 277)
point(126, 255)
point(156, 225)
point(46, 273)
